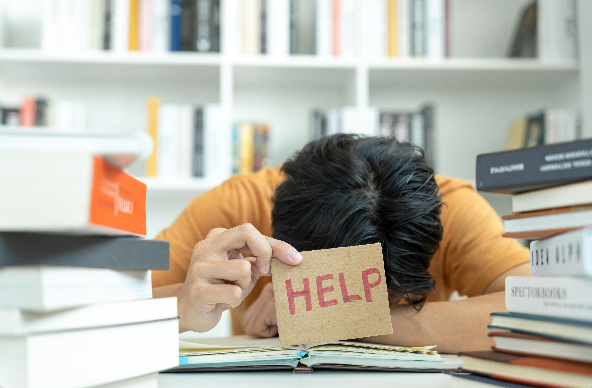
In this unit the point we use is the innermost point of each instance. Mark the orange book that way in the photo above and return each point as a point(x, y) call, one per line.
point(133, 26)
point(151, 162)
point(72, 192)
point(336, 28)
point(392, 28)
point(28, 112)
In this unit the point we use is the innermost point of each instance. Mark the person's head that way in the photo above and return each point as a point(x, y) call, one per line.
point(346, 190)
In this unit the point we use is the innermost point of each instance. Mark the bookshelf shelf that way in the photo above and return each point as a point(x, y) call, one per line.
point(163, 186)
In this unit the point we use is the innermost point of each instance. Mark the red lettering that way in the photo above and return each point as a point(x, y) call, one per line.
point(346, 297)
point(293, 294)
point(321, 291)
point(368, 285)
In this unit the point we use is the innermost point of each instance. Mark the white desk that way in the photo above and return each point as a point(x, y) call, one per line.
point(287, 379)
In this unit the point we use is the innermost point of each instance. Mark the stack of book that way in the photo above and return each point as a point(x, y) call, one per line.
point(545, 338)
point(188, 141)
point(131, 25)
point(76, 307)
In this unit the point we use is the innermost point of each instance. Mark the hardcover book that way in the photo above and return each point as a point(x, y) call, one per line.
point(34, 249)
point(572, 194)
point(69, 192)
point(567, 254)
point(541, 224)
point(515, 171)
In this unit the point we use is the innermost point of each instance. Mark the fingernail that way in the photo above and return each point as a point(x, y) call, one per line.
point(268, 268)
point(295, 257)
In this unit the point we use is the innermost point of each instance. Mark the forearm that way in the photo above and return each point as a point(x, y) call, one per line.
point(453, 326)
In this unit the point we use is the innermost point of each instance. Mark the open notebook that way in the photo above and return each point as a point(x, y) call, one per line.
point(197, 354)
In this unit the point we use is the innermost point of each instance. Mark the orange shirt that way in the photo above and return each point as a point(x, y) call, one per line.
point(471, 255)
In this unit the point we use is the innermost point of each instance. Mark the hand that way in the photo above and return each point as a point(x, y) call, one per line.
point(259, 320)
point(219, 277)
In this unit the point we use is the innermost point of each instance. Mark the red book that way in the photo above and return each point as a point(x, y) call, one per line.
point(28, 112)
point(336, 28)
point(69, 192)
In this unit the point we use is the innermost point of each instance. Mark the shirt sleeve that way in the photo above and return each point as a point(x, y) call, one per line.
point(475, 253)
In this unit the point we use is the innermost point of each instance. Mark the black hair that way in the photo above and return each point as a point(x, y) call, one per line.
point(345, 190)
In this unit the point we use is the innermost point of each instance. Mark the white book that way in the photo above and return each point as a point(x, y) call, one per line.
point(17, 322)
point(571, 194)
point(278, 27)
point(347, 28)
point(251, 22)
point(551, 296)
point(90, 357)
point(375, 28)
point(417, 130)
point(324, 28)
point(556, 30)
point(567, 254)
point(120, 18)
point(97, 24)
point(50, 28)
point(161, 24)
point(216, 144)
point(348, 121)
point(82, 25)
point(372, 121)
point(404, 28)
point(333, 121)
point(42, 289)
point(551, 221)
point(435, 29)
point(186, 127)
point(169, 132)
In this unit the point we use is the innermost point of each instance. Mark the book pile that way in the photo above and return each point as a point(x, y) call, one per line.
point(131, 25)
point(545, 338)
point(188, 141)
point(76, 307)
point(406, 125)
point(244, 353)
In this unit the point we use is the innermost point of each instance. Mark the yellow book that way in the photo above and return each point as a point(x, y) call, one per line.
point(246, 147)
point(517, 135)
point(133, 25)
point(392, 28)
point(152, 105)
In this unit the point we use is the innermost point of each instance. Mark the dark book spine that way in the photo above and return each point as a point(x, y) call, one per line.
point(429, 133)
point(203, 26)
point(41, 112)
point(264, 32)
point(107, 25)
point(11, 116)
point(176, 10)
point(125, 253)
point(515, 171)
point(293, 26)
point(198, 143)
point(188, 25)
point(317, 122)
point(215, 26)
point(418, 28)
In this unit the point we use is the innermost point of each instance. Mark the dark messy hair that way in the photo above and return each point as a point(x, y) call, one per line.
point(345, 190)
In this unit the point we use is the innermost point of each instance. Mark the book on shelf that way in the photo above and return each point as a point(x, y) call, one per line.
point(554, 296)
point(539, 224)
point(564, 329)
point(175, 17)
point(18, 322)
point(89, 357)
point(81, 194)
point(515, 171)
point(45, 288)
point(528, 369)
point(249, 146)
point(248, 353)
point(548, 126)
point(567, 254)
point(536, 345)
point(56, 250)
point(524, 43)
point(557, 31)
point(571, 194)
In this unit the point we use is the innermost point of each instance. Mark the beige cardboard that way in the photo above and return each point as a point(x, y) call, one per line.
point(359, 310)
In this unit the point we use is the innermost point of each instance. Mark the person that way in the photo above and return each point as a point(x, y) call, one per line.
point(438, 236)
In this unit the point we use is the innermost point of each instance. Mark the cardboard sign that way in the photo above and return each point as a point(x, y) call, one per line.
point(334, 294)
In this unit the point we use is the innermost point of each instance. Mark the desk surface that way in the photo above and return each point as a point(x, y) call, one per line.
point(287, 379)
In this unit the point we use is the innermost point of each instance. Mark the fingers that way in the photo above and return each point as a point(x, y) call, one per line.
point(237, 271)
point(226, 294)
point(260, 319)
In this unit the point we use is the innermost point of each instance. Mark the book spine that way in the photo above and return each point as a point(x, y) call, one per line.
point(215, 143)
point(161, 24)
point(429, 134)
point(107, 24)
point(293, 34)
point(235, 152)
point(324, 28)
point(118, 200)
point(435, 29)
point(27, 115)
point(418, 28)
point(203, 36)
point(145, 24)
point(198, 143)
point(186, 140)
point(260, 146)
point(375, 27)
point(246, 147)
point(151, 162)
point(404, 28)
point(215, 25)
point(561, 297)
point(96, 29)
point(41, 112)
point(567, 254)
point(417, 130)
point(278, 27)
point(525, 169)
point(168, 140)
point(120, 15)
point(401, 127)
point(393, 27)
point(188, 25)
point(133, 25)
point(175, 25)
point(336, 24)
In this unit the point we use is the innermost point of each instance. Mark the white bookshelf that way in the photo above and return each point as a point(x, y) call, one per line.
point(477, 92)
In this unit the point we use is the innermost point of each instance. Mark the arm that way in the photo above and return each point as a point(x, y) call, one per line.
point(453, 326)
